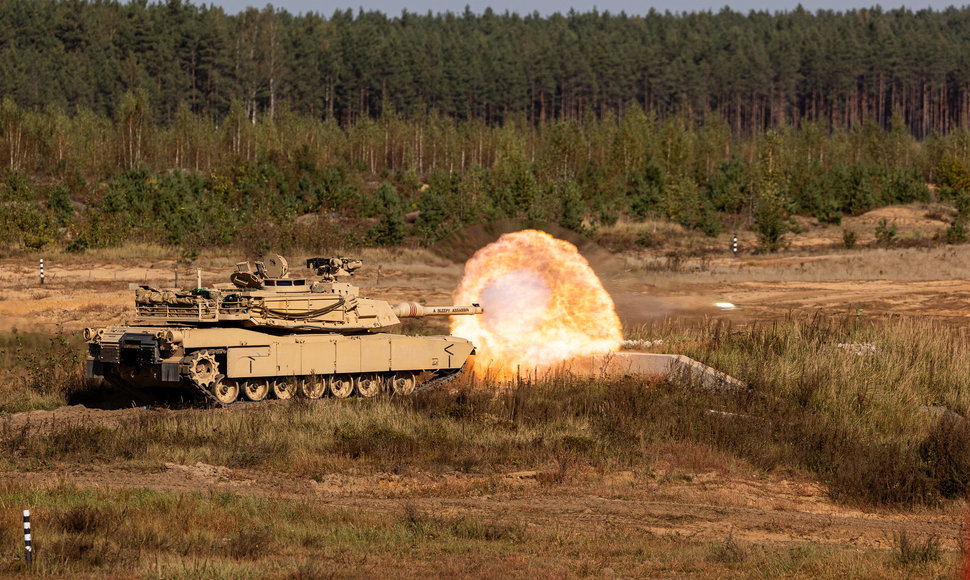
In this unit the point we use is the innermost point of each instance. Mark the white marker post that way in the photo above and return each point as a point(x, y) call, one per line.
point(28, 552)
point(42, 270)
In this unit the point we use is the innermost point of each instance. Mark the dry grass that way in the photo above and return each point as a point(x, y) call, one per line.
point(626, 235)
point(39, 371)
point(142, 253)
point(96, 533)
point(884, 424)
point(673, 270)
point(852, 420)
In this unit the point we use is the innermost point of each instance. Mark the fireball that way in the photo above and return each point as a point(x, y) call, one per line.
point(543, 306)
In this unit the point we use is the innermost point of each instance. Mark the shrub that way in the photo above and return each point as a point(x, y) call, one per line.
point(956, 232)
point(645, 190)
point(909, 552)
point(772, 221)
point(848, 239)
point(886, 233)
point(390, 230)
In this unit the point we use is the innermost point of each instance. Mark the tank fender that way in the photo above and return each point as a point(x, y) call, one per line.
point(251, 361)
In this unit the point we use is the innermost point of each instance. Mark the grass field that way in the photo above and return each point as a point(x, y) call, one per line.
point(814, 410)
point(159, 534)
point(848, 454)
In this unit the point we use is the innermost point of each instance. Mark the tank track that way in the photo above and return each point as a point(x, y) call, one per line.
point(439, 380)
point(206, 393)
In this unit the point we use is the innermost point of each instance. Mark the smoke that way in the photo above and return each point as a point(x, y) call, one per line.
point(515, 303)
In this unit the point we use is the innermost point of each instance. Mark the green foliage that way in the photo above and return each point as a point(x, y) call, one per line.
point(849, 239)
point(573, 212)
point(687, 206)
point(433, 221)
point(772, 220)
point(390, 230)
point(729, 189)
point(39, 371)
point(952, 177)
point(188, 62)
point(59, 203)
point(22, 222)
point(957, 232)
point(886, 233)
point(645, 190)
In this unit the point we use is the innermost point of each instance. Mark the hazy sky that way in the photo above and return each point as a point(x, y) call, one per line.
point(546, 7)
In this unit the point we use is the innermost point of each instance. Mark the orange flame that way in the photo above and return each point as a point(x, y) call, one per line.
point(543, 305)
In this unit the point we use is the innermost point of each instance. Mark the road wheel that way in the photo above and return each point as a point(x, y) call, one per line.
point(255, 390)
point(313, 387)
point(342, 386)
point(283, 389)
point(403, 383)
point(225, 390)
point(369, 385)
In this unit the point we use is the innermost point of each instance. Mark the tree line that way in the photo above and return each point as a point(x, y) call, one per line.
point(299, 181)
point(180, 124)
point(757, 71)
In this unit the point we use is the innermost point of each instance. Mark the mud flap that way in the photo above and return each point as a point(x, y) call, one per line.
point(94, 370)
point(170, 372)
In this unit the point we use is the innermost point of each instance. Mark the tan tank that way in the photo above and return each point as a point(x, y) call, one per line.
point(266, 334)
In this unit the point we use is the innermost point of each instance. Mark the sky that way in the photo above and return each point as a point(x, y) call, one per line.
point(547, 7)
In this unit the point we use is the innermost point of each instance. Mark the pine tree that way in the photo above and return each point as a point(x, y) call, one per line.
point(390, 231)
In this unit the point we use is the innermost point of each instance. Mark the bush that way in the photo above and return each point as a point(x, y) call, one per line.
point(848, 239)
point(886, 233)
point(729, 190)
point(772, 221)
point(432, 223)
point(957, 233)
point(390, 230)
point(645, 190)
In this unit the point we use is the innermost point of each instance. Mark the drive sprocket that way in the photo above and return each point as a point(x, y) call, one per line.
point(201, 368)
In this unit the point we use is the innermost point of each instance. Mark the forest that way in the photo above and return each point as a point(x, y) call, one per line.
point(757, 71)
point(187, 126)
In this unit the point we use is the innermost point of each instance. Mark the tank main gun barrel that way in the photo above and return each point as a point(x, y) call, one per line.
point(415, 310)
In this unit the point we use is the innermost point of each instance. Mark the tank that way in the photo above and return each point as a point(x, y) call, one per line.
point(265, 334)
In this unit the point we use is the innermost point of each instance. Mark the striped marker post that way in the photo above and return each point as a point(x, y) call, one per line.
point(28, 552)
point(42, 270)
point(734, 246)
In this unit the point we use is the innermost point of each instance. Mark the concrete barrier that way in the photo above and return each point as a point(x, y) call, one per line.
point(676, 366)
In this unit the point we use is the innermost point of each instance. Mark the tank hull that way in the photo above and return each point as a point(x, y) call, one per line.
point(216, 362)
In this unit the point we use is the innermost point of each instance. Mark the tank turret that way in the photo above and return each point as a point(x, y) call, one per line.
point(268, 297)
point(265, 334)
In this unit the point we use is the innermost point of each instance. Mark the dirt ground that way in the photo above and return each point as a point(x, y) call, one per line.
point(814, 275)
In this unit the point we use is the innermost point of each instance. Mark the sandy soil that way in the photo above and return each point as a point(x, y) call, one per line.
point(709, 506)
